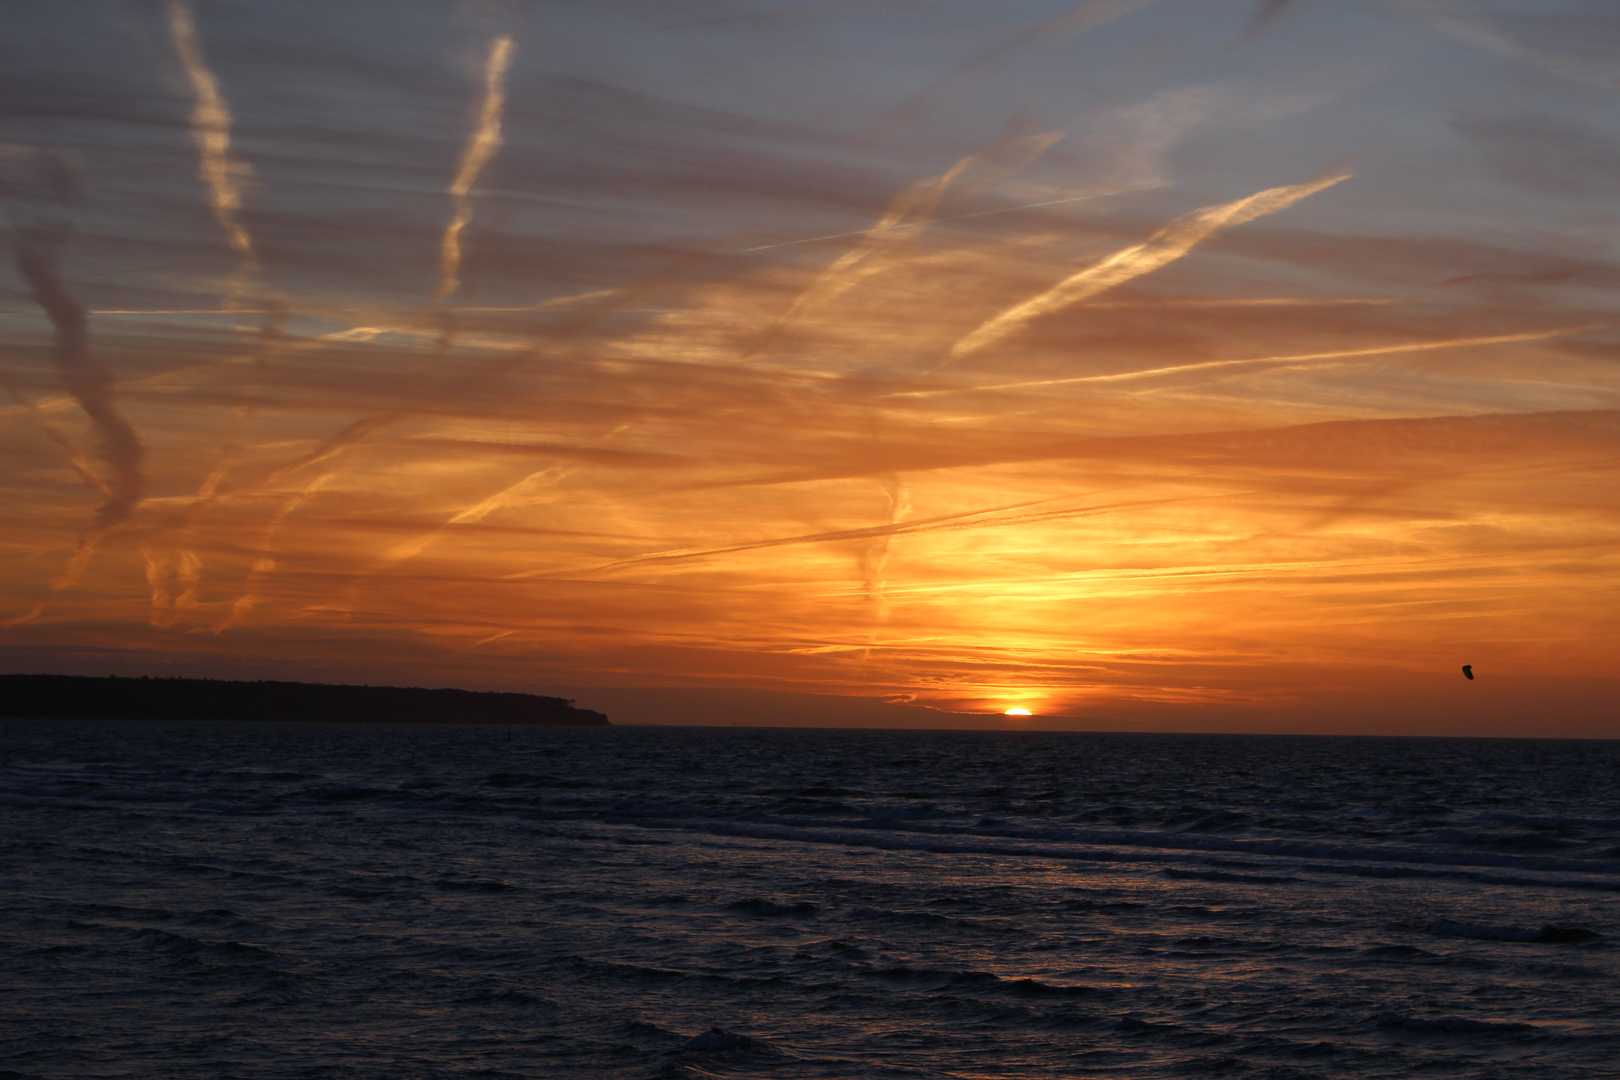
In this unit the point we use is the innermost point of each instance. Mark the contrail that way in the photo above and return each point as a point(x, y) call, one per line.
point(210, 493)
point(914, 206)
point(80, 464)
point(517, 494)
point(481, 146)
point(354, 433)
point(1163, 247)
point(1300, 358)
point(186, 570)
point(362, 429)
point(181, 565)
point(1476, 29)
point(211, 128)
point(916, 201)
point(971, 519)
point(69, 577)
point(265, 564)
point(875, 556)
point(957, 217)
point(91, 385)
point(868, 533)
point(1252, 301)
point(37, 248)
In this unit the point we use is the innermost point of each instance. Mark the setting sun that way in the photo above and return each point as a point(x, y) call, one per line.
point(1017, 712)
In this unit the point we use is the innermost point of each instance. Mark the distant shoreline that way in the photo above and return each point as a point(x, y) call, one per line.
point(85, 697)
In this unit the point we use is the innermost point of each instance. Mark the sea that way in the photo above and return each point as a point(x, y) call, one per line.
point(302, 900)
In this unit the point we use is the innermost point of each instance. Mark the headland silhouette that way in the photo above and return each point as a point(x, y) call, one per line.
point(112, 698)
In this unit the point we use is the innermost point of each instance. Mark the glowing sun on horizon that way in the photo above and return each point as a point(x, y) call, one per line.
point(1017, 712)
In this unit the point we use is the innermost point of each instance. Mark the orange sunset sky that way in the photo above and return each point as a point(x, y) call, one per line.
point(1184, 365)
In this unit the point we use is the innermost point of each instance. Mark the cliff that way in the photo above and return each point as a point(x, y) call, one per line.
point(113, 698)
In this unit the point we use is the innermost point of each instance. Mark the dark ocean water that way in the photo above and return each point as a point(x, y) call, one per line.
point(290, 900)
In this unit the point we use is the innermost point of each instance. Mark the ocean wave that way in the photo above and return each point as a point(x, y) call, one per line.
point(1223, 875)
point(1409, 953)
point(179, 945)
point(1518, 841)
point(1453, 1025)
point(473, 885)
point(1367, 861)
point(771, 909)
point(919, 919)
point(1545, 935)
point(1133, 1025)
point(508, 999)
point(727, 1050)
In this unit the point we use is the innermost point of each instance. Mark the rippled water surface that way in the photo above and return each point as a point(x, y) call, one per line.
point(299, 900)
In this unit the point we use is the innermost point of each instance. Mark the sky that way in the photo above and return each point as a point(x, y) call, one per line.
point(1196, 365)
